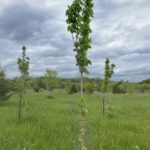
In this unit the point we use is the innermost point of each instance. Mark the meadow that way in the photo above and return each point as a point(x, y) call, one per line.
point(52, 122)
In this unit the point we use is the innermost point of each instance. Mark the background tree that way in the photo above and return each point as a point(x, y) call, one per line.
point(51, 79)
point(67, 85)
point(89, 87)
point(5, 86)
point(38, 84)
point(109, 71)
point(23, 65)
point(79, 15)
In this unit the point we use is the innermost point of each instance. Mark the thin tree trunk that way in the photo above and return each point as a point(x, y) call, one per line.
point(81, 85)
point(103, 105)
point(25, 104)
point(82, 120)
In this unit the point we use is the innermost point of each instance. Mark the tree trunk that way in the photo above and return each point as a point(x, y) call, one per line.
point(81, 85)
point(103, 105)
point(82, 119)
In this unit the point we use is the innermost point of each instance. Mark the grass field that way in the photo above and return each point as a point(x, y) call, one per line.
point(52, 122)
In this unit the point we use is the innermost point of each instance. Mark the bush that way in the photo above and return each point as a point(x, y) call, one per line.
point(74, 88)
point(38, 84)
point(119, 88)
point(142, 87)
point(36, 88)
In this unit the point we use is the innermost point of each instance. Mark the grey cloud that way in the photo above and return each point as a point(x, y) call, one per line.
point(120, 32)
point(20, 21)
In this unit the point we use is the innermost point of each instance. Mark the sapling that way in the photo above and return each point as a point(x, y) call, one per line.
point(109, 71)
point(23, 65)
point(79, 15)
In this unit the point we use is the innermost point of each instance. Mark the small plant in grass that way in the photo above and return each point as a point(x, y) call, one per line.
point(23, 65)
point(109, 71)
point(79, 15)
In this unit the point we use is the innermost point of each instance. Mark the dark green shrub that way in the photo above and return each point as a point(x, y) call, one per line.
point(38, 84)
point(119, 88)
point(36, 88)
point(74, 89)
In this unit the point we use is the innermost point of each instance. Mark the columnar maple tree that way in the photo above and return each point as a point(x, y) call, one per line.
point(79, 15)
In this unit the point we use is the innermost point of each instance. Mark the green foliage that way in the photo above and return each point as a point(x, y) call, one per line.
point(38, 84)
point(147, 81)
point(141, 87)
point(74, 88)
point(129, 88)
point(89, 87)
point(2, 73)
point(51, 73)
point(67, 85)
point(5, 86)
point(51, 80)
point(119, 88)
point(23, 65)
point(79, 15)
point(109, 71)
point(90, 84)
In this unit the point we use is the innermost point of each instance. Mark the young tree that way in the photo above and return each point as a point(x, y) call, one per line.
point(79, 15)
point(23, 65)
point(109, 71)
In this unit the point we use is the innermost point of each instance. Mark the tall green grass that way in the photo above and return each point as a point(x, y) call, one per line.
point(52, 122)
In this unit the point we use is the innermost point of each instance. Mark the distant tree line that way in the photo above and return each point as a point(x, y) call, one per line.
point(72, 85)
point(147, 81)
point(50, 81)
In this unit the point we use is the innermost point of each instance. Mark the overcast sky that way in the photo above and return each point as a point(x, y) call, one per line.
point(121, 32)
